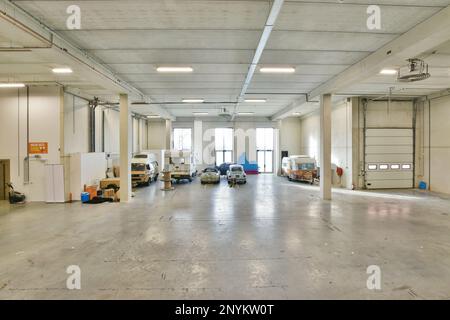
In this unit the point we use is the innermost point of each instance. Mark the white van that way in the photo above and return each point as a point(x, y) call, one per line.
point(144, 169)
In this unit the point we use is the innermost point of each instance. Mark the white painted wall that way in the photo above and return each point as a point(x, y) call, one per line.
point(341, 148)
point(76, 124)
point(156, 135)
point(44, 124)
point(86, 169)
point(310, 136)
point(433, 144)
point(112, 131)
point(136, 135)
point(290, 135)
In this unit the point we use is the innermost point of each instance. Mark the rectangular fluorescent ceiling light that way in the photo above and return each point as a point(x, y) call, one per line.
point(245, 113)
point(200, 113)
point(276, 70)
point(12, 85)
point(193, 100)
point(153, 117)
point(388, 71)
point(62, 70)
point(174, 69)
point(255, 100)
point(296, 114)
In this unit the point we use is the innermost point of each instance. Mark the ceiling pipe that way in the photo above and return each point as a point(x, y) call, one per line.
point(273, 15)
point(48, 42)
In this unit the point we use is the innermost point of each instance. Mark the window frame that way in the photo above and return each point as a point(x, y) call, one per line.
point(224, 151)
point(183, 142)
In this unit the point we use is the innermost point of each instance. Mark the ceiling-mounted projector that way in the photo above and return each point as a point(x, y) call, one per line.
point(417, 70)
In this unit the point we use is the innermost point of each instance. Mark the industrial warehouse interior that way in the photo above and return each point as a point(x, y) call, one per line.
point(225, 149)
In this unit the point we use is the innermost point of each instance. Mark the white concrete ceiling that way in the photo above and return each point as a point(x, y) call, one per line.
point(218, 38)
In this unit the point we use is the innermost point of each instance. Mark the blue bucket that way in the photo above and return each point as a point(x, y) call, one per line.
point(423, 185)
point(85, 197)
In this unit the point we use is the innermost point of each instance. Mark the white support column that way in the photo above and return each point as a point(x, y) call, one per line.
point(325, 147)
point(198, 142)
point(168, 134)
point(125, 149)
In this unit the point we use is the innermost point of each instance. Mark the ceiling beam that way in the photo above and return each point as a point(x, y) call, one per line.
point(287, 111)
point(418, 41)
point(268, 27)
point(94, 70)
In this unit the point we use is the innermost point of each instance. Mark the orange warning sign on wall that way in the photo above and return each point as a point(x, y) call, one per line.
point(38, 148)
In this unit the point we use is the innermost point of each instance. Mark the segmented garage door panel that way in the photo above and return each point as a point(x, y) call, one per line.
point(388, 149)
point(391, 175)
point(389, 158)
point(399, 158)
point(389, 133)
point(393, 141)
point(386, 184)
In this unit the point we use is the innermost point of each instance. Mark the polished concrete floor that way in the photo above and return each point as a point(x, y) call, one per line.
point(269, 239)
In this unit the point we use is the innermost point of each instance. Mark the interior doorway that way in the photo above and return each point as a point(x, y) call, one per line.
point(4, 178)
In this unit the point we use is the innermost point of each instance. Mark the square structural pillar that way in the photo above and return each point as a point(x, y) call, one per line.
point(198, 142)
point(325, 147)
point(168, 135)
point(125, 149)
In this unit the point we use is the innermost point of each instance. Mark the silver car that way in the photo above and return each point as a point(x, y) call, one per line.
point(236, 174)
point(210, 175)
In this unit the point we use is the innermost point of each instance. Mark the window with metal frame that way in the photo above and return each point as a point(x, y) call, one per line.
point(264, 149)
point(182, 139)
point(223, 145)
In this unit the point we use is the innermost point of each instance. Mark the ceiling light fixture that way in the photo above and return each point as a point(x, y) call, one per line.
point(62, 70)
point(193, 100)
point(174, 69)
point(245, 113)
point(12, 85)
point(296, 114)
point(200, 113)
point(277, 70)
point(388, 71)
point(255, 100)
point(154, 116)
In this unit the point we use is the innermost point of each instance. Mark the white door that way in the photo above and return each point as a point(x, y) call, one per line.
point(389, 158)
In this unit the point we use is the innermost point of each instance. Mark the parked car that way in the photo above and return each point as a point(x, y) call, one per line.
point(224, 167)
point(210, 175)
point(236, 174)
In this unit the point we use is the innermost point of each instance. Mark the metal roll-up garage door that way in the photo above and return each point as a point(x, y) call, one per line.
point(389, 158)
